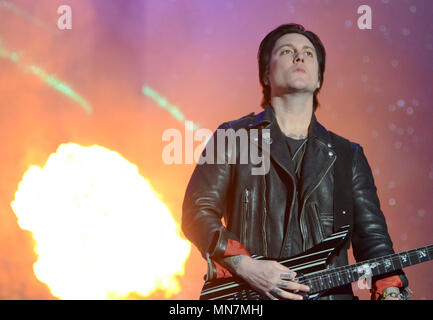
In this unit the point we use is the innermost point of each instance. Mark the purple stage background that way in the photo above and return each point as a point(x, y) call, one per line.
point(200, 55)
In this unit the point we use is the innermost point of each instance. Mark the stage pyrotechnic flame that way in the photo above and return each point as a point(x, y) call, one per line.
point(100, 230)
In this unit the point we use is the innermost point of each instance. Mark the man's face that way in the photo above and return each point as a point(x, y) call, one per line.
point(293, 66)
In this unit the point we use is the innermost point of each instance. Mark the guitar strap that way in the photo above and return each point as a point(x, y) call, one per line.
point(343, 196)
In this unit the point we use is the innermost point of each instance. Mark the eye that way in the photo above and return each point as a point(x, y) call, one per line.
point(309, 53)
point(286, 51)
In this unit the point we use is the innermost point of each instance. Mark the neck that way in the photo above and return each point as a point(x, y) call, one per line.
point(293, 113)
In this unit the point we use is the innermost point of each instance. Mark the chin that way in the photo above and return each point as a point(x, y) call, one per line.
point(299, 86)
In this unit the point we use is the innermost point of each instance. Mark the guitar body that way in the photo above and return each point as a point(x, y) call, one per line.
point(306, 264)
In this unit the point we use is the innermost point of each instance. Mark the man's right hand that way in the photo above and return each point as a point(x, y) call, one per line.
point(269, 278)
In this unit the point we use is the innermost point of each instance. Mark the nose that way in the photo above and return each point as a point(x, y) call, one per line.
point(299, 56)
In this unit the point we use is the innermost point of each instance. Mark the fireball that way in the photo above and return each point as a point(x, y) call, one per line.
point(100, 230)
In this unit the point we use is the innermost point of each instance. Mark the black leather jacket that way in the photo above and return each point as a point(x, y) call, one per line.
point(250, 204)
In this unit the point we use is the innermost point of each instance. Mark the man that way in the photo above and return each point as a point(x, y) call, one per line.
point(289, 209)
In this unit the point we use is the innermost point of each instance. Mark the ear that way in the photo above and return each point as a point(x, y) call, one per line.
point(266, 80)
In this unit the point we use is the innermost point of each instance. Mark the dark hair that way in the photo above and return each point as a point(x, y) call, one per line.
point(265, 50)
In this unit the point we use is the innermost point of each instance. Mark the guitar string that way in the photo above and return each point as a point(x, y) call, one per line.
point(347, 269)
point(396, 258)
point(317, 277)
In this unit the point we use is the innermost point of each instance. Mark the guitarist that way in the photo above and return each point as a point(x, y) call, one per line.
point(289, 209)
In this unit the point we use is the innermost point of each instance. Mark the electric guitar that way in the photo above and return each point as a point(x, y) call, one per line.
point(313, 269)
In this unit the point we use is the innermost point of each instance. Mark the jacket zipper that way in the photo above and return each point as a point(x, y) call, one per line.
point(245, 217)
point(303, 231)
point(264, 217)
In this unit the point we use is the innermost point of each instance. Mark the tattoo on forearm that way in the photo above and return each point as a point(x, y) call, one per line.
point(233, 262)
point(236, 260)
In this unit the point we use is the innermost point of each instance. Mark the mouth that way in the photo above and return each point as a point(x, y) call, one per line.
point(299, 70)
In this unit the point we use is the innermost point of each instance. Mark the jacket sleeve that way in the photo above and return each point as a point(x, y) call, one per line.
point(205, 202)
point(370, 237)
point(216, 270)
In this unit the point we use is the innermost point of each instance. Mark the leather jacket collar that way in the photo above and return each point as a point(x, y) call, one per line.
point(267, 117)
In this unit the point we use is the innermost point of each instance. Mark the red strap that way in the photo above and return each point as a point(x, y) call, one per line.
point(380, 285)
point(233, 248)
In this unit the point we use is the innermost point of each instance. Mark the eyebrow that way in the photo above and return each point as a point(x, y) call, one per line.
point(291, 45)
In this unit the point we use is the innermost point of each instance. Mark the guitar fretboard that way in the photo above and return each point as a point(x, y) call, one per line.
point(332, 278)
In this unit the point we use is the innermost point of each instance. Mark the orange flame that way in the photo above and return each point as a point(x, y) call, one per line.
point(101, 231)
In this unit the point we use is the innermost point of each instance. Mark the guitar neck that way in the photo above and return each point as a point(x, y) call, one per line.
point(332, 278)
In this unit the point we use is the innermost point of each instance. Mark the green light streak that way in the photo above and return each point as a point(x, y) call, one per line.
point(11, 56)
point(50, 80)
point(164, 104)
point(61, 87)
point(19, 12)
